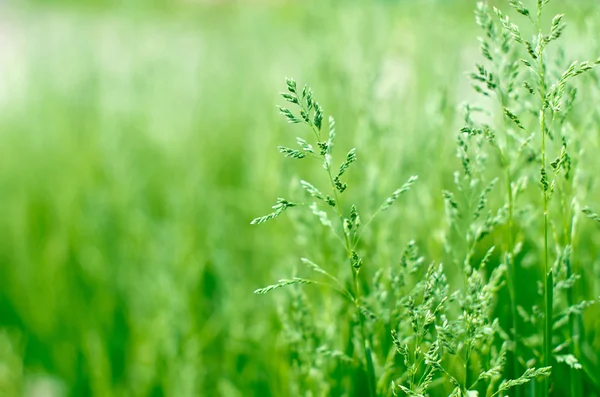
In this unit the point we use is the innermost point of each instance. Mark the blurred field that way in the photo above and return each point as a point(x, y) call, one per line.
point(137, 141)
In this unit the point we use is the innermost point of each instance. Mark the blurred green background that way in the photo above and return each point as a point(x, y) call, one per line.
point(137, 141)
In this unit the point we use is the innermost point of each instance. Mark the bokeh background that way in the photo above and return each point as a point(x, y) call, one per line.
point(137, 141)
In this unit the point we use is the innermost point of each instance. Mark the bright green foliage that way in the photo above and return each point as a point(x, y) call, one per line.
point(461, 327)
point(139, 139)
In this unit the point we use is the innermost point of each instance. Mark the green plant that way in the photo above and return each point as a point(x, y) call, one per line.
point(131, 160)
point(549, 100)
point(456, 343)
point(348, 231)
point(438, 332)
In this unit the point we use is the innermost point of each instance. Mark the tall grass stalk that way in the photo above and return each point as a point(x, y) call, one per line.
point(311, 114)
point(550, 101)
point(501, 82)
point(350, 247)
point(548, 275)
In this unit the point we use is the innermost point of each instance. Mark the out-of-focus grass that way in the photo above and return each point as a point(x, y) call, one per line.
point(132, 158)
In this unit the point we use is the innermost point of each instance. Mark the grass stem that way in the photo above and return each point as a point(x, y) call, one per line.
point(548, 276)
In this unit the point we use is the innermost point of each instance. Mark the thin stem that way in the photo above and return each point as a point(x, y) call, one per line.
point(416, 362)
point(467, 369)
point(511, 266)
point(428, 370)
point(337, 288)
point(576, 324)
point(357, 294)
point(568, 230)
point(548, 276)
point(512, 275)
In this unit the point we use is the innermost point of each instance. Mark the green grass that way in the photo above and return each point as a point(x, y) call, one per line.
point(137, 144)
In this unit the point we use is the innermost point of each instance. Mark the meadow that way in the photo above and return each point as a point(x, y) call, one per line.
point(139, 140)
